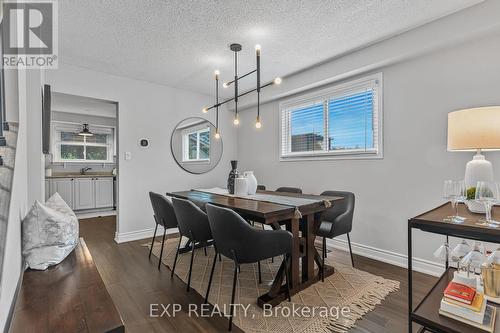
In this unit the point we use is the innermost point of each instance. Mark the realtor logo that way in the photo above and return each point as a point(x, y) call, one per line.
point(29, 34)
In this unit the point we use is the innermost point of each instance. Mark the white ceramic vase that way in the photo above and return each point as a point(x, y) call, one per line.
point(240, 186)
point(252, 182)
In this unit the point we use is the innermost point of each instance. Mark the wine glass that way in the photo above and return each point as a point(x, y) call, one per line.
point(454, 190)
point(474, 259)
point(488, 194)
point(442, 252)
point(459, 252)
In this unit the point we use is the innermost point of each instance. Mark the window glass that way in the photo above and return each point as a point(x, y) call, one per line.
point(307, 128)
point(96, 153)
point(205, 145)
point(71, 152)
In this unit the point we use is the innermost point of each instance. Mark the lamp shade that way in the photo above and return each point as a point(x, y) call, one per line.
point(476, 128)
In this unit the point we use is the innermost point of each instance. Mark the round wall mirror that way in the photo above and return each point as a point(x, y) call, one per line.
point(194, 146)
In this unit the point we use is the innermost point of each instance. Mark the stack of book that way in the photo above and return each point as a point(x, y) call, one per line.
point(465, 304)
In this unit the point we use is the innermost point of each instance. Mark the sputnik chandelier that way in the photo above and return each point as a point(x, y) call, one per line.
point(235, 47)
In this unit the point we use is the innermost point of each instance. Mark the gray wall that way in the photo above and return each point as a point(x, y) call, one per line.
point(418, 94)
point(146, 110)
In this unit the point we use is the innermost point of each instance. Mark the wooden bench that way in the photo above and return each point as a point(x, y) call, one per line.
point(69, 297)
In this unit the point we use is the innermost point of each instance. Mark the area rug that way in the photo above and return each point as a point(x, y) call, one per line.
point(331, 306)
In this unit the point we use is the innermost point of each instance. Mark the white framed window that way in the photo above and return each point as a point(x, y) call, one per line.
point(196, 145)
point(68, 146)
point(342, 121)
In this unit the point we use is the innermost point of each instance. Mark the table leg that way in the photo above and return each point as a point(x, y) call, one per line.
point(294, 265)
point(309, 236)
point(447, 262)
point(410, 280)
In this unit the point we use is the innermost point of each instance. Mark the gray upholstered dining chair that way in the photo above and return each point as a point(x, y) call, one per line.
point(337, 220)
point(193, 223)
point(164, 215)
point(289, 189)
point(239, 241)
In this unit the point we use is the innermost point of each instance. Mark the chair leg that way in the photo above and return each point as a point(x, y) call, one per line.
point(323, 263)
point(153, 241)
point(210, 279)
point(287, 275)
point(235, 278)
point(260, 273)
point(191, 264)
point(324, 247)
point(220, 257)
point(205, 249)
point(264, 228)
point(176, 254)
point(350, 249)
point(162, 244)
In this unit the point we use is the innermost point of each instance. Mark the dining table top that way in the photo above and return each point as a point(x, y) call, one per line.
point(260, 208)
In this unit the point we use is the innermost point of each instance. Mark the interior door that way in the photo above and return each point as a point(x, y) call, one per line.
point(84, 193)
point(104, 192)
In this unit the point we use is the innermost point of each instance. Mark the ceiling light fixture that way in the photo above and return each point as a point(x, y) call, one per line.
point(235, 47)
point(85, 131)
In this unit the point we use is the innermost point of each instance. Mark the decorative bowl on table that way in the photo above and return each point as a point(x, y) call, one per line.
point(475, 206)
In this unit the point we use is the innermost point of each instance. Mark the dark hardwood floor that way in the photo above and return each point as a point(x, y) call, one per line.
point(134, 283)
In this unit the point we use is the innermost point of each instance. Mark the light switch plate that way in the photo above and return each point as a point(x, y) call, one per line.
point(128, 156)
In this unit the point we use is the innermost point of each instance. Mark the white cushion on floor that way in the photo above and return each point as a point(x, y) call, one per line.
point(50, 233)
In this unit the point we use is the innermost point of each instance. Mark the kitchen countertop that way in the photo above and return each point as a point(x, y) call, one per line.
point(73, 175)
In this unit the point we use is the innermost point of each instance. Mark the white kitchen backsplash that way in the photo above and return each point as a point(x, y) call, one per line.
point(75, 167)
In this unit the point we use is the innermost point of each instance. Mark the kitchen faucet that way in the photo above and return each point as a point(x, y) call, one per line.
point(84, 170)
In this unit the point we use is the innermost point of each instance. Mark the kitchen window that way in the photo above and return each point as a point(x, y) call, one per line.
point(68, 146)
point(343, 121)
point(196, 145)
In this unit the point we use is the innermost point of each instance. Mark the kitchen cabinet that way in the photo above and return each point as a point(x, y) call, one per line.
point(103, 192)
point(63, 186)
point(83, 193)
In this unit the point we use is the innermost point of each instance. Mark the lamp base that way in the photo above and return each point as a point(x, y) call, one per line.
point(479, 169)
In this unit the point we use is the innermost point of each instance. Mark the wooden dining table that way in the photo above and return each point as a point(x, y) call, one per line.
point(303, 229)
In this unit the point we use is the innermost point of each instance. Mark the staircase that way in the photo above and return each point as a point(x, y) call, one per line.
point(7, 156)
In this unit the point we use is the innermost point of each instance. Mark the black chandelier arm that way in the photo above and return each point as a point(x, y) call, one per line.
point(217, 101)
point(240, 95)
point(257, 54)
point(240, 77)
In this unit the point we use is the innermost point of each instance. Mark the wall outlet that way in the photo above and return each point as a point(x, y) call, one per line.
point(128, 156)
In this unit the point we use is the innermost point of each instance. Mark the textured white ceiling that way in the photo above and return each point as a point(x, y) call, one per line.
point(180, 42)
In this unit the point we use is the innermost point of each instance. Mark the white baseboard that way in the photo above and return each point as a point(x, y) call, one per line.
point(393, 258)
point(124, 237)
point(88, 215)
point(397, 259)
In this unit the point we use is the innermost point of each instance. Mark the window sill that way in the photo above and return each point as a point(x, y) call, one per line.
point(196, 162)
point(82, 162)
point(334, 156)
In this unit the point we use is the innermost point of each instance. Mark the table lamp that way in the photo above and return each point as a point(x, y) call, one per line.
point(475, 129)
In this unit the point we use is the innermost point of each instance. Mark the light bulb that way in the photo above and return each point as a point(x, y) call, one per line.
point(236, 121)
point(225, 85)
point(217, 135)
point(257, 47)
point(277, 80)
point(216, 72)
point(258, 124)
point(204, 110)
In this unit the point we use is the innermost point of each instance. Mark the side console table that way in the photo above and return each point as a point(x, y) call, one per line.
point(426, 313)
